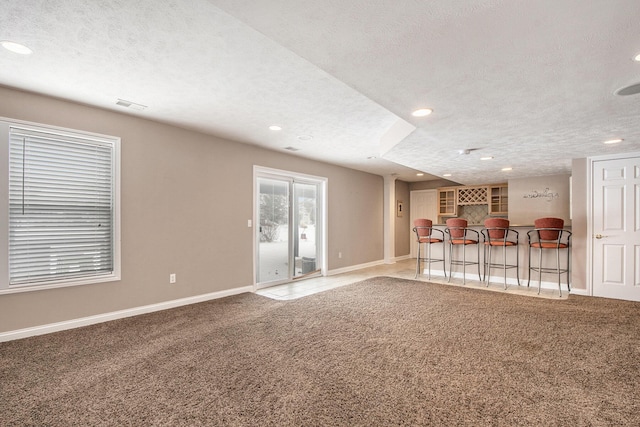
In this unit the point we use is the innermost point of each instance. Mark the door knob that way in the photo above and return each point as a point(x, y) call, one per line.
point(599, 236)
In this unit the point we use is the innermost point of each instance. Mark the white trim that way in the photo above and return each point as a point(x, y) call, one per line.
point(355, 267)
point(116, 275)
point(589, 231)
point(582, 292)
point(589, 242)
point(437, 273)
point(81, 281)
point(512, 281)
point(58, 129)
point(121, 314)
point(323, 200)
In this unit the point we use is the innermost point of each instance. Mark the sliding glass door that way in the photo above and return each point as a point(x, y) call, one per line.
point(289, 228)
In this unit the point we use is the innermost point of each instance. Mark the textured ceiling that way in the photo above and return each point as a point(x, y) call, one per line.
point(529, 83)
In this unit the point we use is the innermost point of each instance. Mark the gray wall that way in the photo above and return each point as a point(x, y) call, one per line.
point(186, 199)
point(538, 197)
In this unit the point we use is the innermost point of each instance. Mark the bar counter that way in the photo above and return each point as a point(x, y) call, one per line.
point(549, 281)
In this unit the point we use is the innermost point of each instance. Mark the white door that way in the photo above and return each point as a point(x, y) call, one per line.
point(424, 204)
point(616, 228)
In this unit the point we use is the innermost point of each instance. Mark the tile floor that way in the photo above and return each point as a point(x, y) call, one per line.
point(402, 269)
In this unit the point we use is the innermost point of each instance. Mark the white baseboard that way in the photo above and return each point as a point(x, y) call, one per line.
point(354, 268)
point(99, 318)
point(583, 292)
point(436, 273)
point(500, 279)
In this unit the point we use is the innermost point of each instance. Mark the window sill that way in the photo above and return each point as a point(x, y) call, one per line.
point(15, 289)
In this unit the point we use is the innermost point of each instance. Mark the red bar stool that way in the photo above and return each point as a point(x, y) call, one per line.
point(460, 235)
point(549, 234)
point(498, 234)
point(424, 235)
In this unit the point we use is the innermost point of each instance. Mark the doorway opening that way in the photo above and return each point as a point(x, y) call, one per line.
point(290, 232)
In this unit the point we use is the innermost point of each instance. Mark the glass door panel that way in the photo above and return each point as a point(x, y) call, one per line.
point(305, 214)
point(274, 231)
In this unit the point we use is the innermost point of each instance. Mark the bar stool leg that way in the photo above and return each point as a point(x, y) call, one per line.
point(444, 262)
point(484, 263)
point(429, 257)
point(418, 261)
point(529, 264)
point(504, 265)
point(478, 255)
point(518, 264)
point(464, 263)
point(539, 269)
point(569, 268)
point(487, 265)
point(558, 269)
point(450, 262)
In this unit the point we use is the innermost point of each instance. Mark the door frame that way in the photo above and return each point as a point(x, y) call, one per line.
point(321, 249)
point(590, 189)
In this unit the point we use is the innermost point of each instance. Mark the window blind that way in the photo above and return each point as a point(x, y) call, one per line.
point(61, 198)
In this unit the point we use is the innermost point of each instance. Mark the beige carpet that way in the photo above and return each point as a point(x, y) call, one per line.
point(381, 352)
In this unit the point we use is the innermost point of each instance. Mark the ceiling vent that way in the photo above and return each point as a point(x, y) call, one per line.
point(129, 104)
point(291, 148)
point(629, 90)
point(467, 151)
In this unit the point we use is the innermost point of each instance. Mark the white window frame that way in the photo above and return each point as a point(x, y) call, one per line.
point(5, 288)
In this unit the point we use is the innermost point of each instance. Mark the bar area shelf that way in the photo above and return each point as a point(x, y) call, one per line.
point(447, 203)
point(499, 200)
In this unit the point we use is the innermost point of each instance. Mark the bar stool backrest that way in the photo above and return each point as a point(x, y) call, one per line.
point(500, 223)
point(549, 223)
point(423, 227)
point(456, 227)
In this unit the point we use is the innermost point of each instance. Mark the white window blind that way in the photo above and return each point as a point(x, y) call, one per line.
point(61, 206)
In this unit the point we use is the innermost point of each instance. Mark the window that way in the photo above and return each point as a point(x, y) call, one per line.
point(62, 207)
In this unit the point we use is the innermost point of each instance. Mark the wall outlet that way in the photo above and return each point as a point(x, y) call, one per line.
point(339, 254)
point(172, 278)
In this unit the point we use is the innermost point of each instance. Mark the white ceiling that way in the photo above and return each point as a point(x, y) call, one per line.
point(530, 83)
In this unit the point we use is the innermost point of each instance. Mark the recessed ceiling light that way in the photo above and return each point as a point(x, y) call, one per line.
point(422, 112)
point(16, 47)
point(371, 157)
point(637, 57)
point(419, 174)
point(614, 141)
point(305, 138)
point(506, 169)
point(446, 174)
point(486, 158)
point(275, 127)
